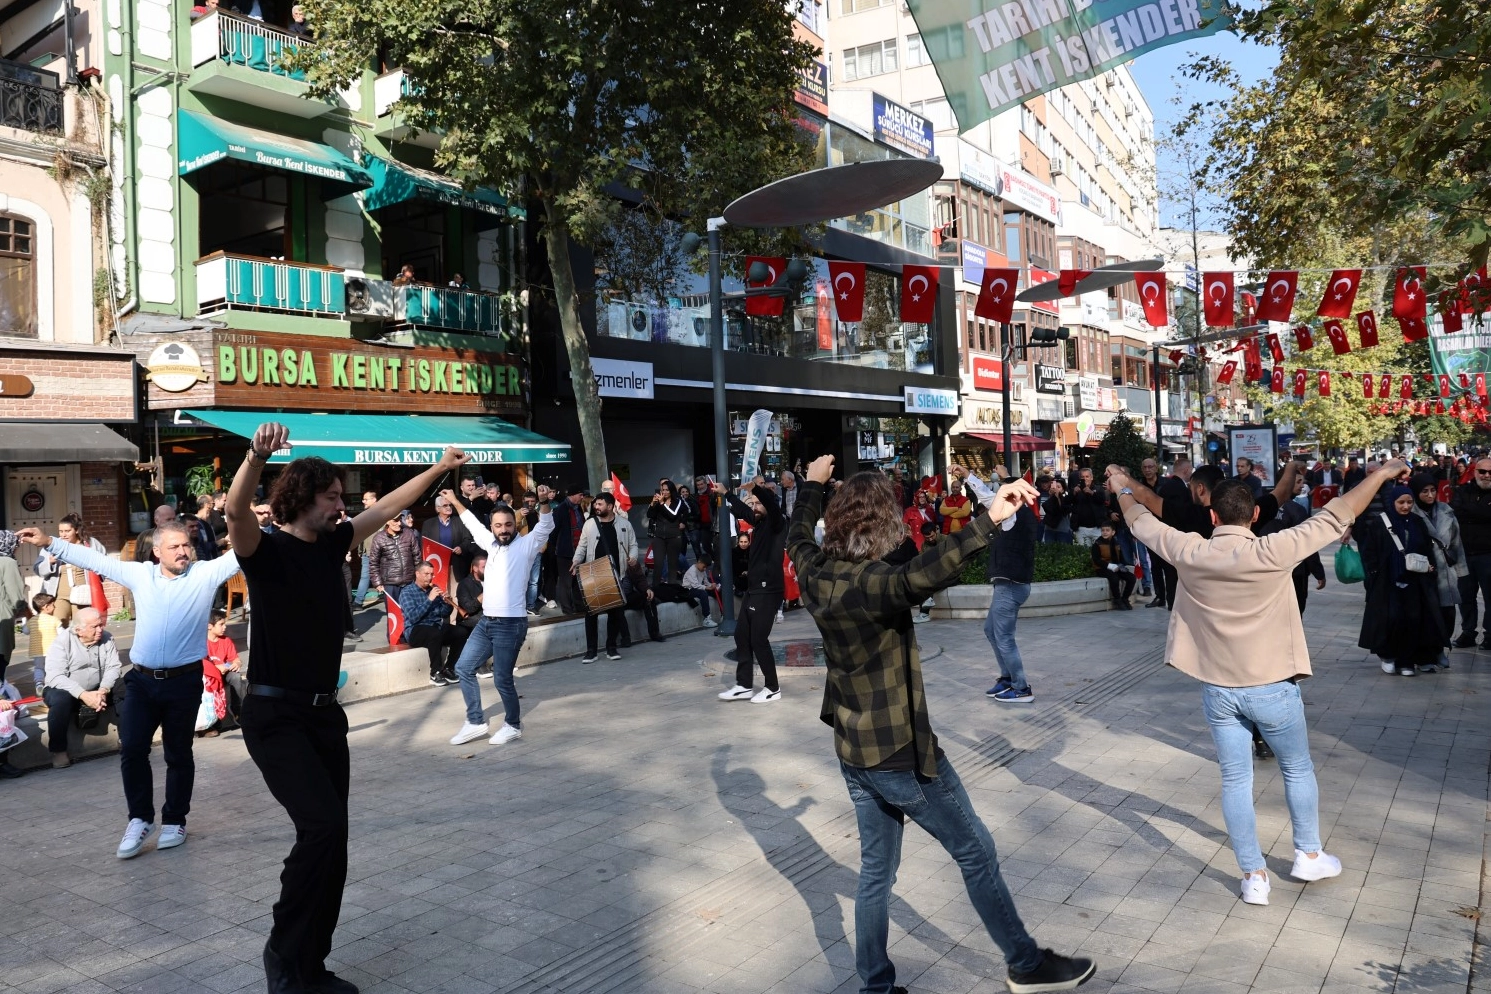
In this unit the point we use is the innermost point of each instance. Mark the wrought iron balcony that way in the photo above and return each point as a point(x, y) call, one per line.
point(30, 99)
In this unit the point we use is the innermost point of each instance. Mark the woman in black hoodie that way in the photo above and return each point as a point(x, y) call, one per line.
point(666, 517)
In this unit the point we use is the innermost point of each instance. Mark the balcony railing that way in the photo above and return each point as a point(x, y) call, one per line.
point(30, 99)
point(468, 311)
point(243, 42)
point(242, 282)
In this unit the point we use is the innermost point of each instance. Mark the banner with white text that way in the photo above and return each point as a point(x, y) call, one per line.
point(1011, 50)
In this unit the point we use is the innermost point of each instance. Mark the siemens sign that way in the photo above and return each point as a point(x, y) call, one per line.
point(925, 400)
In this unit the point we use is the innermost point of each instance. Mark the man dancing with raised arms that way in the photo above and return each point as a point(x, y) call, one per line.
point(173, 599)
point(504, 614)
point(294, 730)
point(874, 700)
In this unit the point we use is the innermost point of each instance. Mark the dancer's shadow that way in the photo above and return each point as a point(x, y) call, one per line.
point(820, 880)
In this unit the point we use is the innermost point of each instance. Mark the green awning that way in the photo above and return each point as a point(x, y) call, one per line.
point(396, 182)
point(201, 141)
point(394, 439)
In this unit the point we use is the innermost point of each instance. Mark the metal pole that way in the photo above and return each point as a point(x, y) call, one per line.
point(1004, 398)
point(721, 427)
point(1159, 446)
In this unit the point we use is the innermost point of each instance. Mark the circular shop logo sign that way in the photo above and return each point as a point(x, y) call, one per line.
point(33, 500)
point(174, 367)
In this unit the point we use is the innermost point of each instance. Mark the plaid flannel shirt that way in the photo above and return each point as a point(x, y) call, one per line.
point(873, 696)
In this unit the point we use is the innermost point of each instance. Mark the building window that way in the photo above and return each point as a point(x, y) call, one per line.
point(855, 6)
point(1012, 239)
point(870, 60)
point(916, 52)
point(807, 14)
point(17, 277)
point(937, 110)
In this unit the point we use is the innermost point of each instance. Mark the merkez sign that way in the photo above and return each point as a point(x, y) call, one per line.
point(902, 128)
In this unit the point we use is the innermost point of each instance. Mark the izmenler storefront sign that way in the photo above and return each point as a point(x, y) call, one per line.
point(927, 400)
point(901, 128)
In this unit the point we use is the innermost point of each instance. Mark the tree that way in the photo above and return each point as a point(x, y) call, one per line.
point(1122, 446)
point(686, 102)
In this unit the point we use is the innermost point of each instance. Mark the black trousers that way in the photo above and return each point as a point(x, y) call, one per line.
point(170, 705)
point(665, 553)
point(615, 625)
point(62, 708)
point(434, 639)
point(758, 612)
point(1120, 585)
point(301, 751)
point(1165, 579)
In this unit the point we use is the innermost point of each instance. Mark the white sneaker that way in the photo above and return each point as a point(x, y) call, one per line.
point(779, 615)
point(737, 693)
point(134, 838)
point(764, 696)
point(506, 734)
point(1321, 867)
point(918, 618)
point(171, 836)
point(468, 733)
point(711, 623)
point(1255, 889)
point(1388, 666)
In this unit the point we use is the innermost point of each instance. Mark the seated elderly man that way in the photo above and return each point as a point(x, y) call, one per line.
point(82, 666)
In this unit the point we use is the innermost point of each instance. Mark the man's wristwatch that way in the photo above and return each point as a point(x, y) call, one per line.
point(1126, 490)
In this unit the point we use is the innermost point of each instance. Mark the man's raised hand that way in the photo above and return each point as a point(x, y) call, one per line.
point(1008, 499)
point(269, 438)
point(453, 458)
point(820, 470)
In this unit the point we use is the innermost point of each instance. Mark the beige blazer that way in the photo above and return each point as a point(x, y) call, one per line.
point(1236, 622)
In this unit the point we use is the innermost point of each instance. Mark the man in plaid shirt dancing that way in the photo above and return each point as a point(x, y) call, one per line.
point(875, 702)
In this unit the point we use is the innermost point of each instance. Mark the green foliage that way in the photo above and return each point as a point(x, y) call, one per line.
point(199, 481)
point(1122, 446)
point(1052, 562)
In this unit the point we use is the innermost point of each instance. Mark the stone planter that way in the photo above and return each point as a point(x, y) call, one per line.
point(971, 601)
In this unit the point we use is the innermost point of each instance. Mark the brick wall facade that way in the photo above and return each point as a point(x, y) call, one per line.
point(101, 504)
point(70, 387)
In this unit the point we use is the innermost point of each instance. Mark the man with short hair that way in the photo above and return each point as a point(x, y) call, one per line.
point(789, 492)
point(426, 610)
point(1249, 479)
point(762, 602)
point(1250, 661)
point(365, 576)
point(82, 666)
point(205, 540)
point(165, 514)
point(448, 530)
point(1353, 475)
point(504, 616)
point(469, 597)
point(264, 515)
point(1089, 508)
point(569, 520)
point(163, 688)
point(605, 534)
point(1472, 507)
point(394, 552)
point(1011, 571)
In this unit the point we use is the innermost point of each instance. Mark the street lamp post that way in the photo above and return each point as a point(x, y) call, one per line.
point(1159, 444)
point(721, 426)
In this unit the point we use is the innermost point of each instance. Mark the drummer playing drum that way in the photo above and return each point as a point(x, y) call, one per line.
point(605, 534)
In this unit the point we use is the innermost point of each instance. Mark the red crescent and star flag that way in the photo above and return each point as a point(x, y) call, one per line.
point(1336, 332)
point(1340, 294)
point(996, 297)
point(1277, 301)
point(1366, 326)
point(620, 492)
point(1152, 295)
point(918, 293)
point(438, 556)
point(761, 304)
point(1409, 298)
point(1217, 302)
point(848, 281)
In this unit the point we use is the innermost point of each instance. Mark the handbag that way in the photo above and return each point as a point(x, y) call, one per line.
point(1413, 562)
point(1349, 565)
point(88, 718)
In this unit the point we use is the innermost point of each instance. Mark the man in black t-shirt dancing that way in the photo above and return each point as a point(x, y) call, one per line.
point(294, 730)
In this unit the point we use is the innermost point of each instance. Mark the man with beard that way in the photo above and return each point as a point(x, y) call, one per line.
point(173, 601)
point(605, 534)
point(293, 728)
point(504, 616)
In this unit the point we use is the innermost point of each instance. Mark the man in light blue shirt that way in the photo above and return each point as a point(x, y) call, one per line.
point(173, 602)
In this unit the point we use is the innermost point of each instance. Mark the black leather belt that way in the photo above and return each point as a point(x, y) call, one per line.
point(293, 696)
point(166, 672)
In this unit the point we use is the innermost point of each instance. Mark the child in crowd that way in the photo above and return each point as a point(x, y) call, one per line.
point(701, 587)
point(1109, 560)
point(44, 630)
point(222, 671)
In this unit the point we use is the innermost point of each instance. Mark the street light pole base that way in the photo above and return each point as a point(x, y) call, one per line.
point(726, 629)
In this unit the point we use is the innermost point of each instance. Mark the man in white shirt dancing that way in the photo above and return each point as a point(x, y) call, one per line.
point(504, 622)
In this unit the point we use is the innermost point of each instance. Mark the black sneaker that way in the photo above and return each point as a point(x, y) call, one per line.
point(1465, 641)
point(437, 679)
point(589, 657)
point(1056, 973)
point(1261, 750)
point(612, 654)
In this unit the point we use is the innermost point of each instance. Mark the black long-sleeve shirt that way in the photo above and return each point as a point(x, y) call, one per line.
point(768, 541)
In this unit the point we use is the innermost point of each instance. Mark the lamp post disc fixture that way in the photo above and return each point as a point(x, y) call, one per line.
point(1099, 279)
point(833, 192)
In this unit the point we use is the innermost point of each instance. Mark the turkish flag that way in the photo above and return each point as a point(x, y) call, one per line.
point(1409, 298)
point(918, 293)
point(1278, 295)
point(1152, 296)
point(848, 279)
point(1480, 384)
point(1323, 382)
point(1367, 385)
point(1276, 380)
point(438, 556)
point(1417, 329)
point(1301, 377)
point(1406, 390)
point(1336, 332)
point(1366, 327)
point(1252, 362)
point(1228, 368)
point(1217, 303)
point(1444, 385)
point(622, 495)
point(762, 304)
point(1275, 349)
point(96, 598)
point(996, 297)
point(1464, 381)
point(1449, 313)
point(1175, 355)
point(1068, 279)
point(1340, 294)
point(1250, 308)
point(1303, 340)
point(394, 620)
point(1385, 385)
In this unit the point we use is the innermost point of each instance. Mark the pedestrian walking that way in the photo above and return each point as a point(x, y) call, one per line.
point(1011, 570)
point(1403, 623)
point(874, 700)
point(293, 727)
point(1448, 550)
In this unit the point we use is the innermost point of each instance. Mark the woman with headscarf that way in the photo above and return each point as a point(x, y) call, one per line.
point(1449, 553)
point(1403, 623)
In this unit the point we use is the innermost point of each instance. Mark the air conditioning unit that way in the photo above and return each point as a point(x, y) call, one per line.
point(369, 298)
point(1058, 165)
point(1109, 81)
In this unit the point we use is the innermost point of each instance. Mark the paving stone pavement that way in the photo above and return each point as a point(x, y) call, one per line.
point(644, 837)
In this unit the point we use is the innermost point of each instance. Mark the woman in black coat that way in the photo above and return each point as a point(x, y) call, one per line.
point(668, 516)
point(1402, 623)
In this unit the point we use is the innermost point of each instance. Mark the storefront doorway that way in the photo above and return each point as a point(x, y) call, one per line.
point(38, 497)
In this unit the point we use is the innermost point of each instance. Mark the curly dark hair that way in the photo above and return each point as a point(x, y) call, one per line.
point(296, 487)
point(863, 521)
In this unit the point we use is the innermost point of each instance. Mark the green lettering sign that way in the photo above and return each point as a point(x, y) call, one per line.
point(227, 370)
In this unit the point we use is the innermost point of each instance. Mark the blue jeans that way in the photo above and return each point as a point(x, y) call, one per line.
point(882, 802)
point(533, 572)
point(703, 598)
point(500, 638)
point(1278, 712)
point(363, 581)
point(999, 629)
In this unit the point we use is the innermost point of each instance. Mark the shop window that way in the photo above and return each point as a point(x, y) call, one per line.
point(17, 277)
point(245, 211)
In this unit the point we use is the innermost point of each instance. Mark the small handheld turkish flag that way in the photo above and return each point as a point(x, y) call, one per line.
point(96, 593)
point(1068, 279)
point(438, 556)
point(1303, 340)
point(1275, 349)
point(1409, 298)
point(622, 495)
point(1366, 327)
point(1278, 295)
point(1417, 329)
point(1336, 332)
point(395, 620)
point(848, 279)
point(1276, 380)
point(1152, 296)
point(1385, 386)
point(1367, 385)
point(1323, 382)
point(1406, 389)
point(1218, 306)
point(762, 304)
point(1228, 368)
point(1340, 294)
point(1301, 377)
point(996, 297)
point(1444, 384)
point(1250, 308)
point(918, 293)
